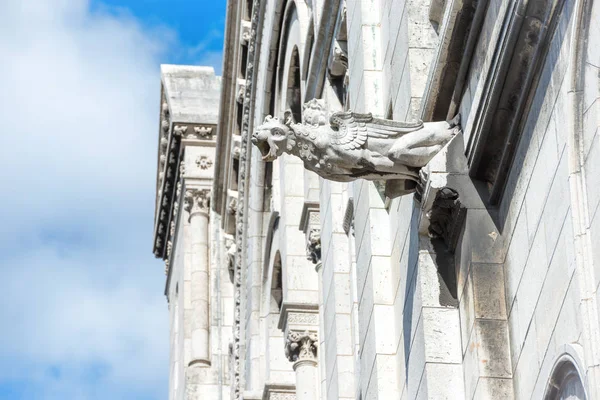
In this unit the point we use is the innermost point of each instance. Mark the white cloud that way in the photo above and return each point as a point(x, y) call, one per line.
point(82, 293)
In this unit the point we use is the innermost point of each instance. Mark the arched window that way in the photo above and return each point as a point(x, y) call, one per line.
point(565, 383)
point(276, 286)
point(294, 91)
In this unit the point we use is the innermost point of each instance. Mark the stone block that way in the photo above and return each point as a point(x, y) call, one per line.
point(365, 309)
point(590, 119)
point(493, 351)
point(470, 367)
point(516, 257)
point(416, 362)
point(419, 62)
point(343, 334)
point(531, 282)
point(343, 299)
point(400, 89)
point(569, 325)
point(467, 314)
point(551, 298)
point(593, 174)
point(387, 377)
point(494, 388)
point(372, 52)
point(487, 245)
point(381, 243)
point(540, 182)
point(444, 381)
point(382, 283)
point(488, 291)
point(441, 335)
point(374, 92)
point(346, 376)
point(557, 206)
point(386, 338)
point(528, 366)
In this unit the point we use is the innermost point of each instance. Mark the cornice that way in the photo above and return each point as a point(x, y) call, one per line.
point(174, 137)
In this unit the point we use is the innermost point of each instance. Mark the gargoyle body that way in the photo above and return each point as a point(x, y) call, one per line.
point(350, 146)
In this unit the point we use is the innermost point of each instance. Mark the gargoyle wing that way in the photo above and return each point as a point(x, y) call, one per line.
point(350, 130)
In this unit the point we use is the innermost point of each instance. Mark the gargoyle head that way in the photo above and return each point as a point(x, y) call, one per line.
point(273, 137)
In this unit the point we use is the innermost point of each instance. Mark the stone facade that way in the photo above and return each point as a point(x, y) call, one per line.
point(479, 280)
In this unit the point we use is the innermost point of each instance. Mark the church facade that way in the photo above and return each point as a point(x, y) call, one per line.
point(385, 199)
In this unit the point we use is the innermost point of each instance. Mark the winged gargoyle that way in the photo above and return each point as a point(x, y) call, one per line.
point(353, 145)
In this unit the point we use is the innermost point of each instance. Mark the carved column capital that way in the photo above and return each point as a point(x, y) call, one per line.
point(301, 346)
point(197, 201)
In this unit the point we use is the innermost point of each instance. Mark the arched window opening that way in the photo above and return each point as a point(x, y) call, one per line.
point(294, 91)
point(565, 383)
point(276, 286)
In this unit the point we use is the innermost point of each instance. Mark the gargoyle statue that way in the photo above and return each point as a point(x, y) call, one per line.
point(353, 145)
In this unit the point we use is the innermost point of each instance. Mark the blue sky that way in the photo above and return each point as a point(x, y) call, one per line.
point(83, 312)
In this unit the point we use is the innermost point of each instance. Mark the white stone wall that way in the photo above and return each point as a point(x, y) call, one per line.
point(385, 332)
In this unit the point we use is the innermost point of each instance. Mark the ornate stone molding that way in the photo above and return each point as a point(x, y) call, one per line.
point(237, 377)
point(197, 201)
point(168, 173)
point(345, 146)
point(301, 346)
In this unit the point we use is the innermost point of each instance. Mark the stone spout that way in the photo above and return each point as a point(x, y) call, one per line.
point(346, 145)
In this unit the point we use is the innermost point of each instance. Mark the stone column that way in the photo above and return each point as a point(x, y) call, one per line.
point(197, 203)
point(301, 349)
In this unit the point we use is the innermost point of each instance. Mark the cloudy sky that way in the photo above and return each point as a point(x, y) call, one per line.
point(82, 314)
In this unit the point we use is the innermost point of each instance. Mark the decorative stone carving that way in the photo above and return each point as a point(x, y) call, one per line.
point(353, 145)
point(237, 362)
point(446, 217)
point(232, 206)
point(313, 245)
point(203, 131)
point(303, 318)
point(245, 35)
point(204, 162)
point(179, 130)
point(301, 346)
point(241, 90)
point(338, 64)
point(197, 200)
point(231, 251)
point(282, 396)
